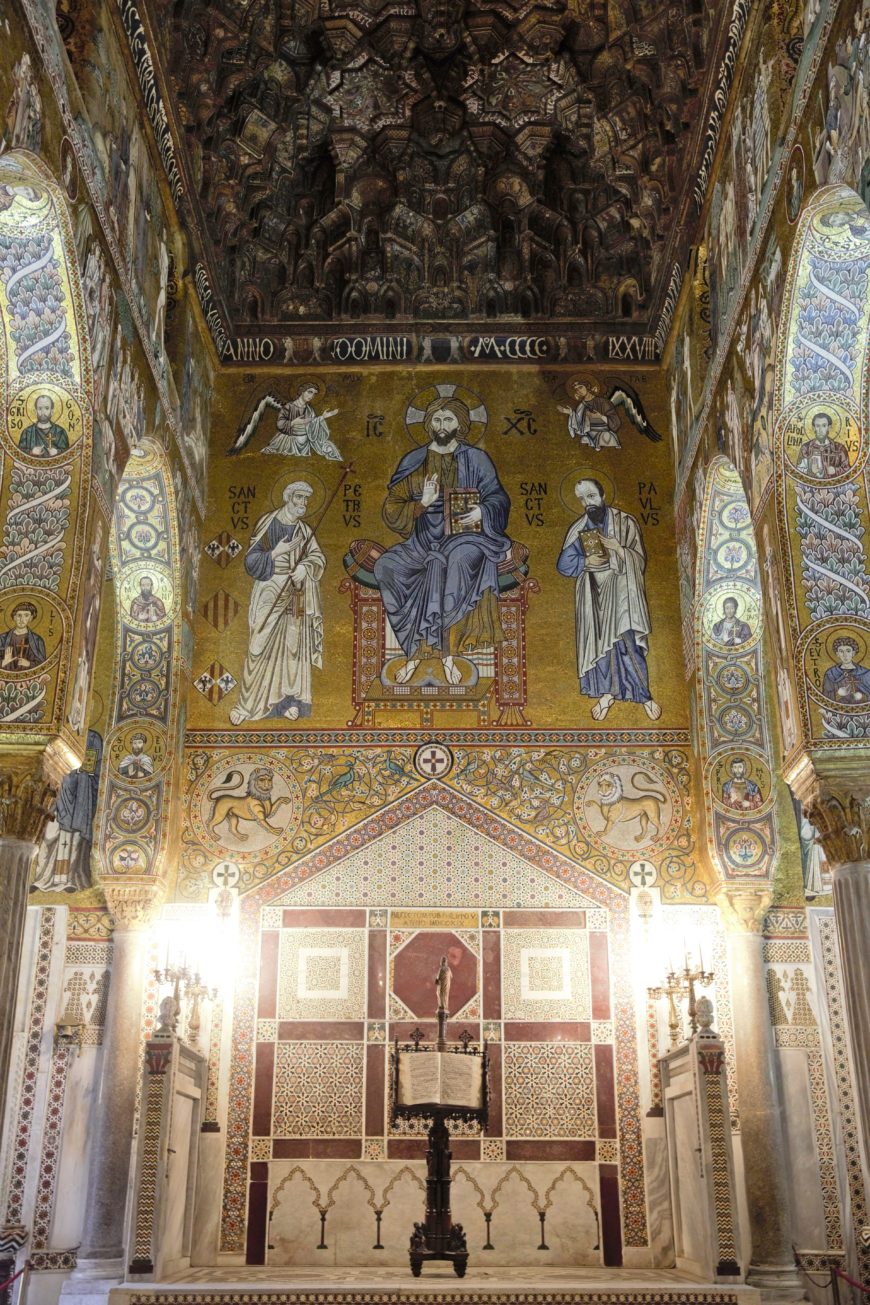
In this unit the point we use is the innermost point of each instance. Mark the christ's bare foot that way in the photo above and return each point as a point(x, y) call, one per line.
point(452, 671)
point(602, 706)
point(237, 716)
point(652, 709)
point(292, 713)
point(407, 671)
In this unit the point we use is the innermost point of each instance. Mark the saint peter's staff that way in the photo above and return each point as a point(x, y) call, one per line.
point(287, 602)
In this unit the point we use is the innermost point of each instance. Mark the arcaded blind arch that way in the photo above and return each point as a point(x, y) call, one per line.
point(822, 507)
point(45, 454)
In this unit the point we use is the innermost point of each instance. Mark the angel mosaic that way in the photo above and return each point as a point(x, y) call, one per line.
point(300, 431)
point(594, 419)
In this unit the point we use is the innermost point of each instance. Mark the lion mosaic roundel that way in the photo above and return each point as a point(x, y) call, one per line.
point(630, 805)
point(250, 806)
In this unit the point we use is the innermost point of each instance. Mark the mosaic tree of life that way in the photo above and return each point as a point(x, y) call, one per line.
point(45, 445)
point(821, 453)
point(141, 745)
point(734, 736)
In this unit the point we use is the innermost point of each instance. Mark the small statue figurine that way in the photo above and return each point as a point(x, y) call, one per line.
point(457, 1240)
point(418, 1237)
point(443, 980)
point(168, 1018)
point(704, 1016)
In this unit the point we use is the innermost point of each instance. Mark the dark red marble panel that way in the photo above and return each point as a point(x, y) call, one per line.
point(544, 919)
point(402, 1029)
point(321, 1031)
point(611, 1231)
point(267, 1001)
point(414, 1148)
point(377, 1003)
point(605, 1096)
point(566, 1149)
point(495, 1126)
point(545, 1031)
point(415, 967)
point(376, 1059)
point(291, 1148)
point(324, 917)
point(491, 974)
point(258, 1219)
point(316, 1148)
point(599, 969)
point(264, 1074)
point(259, 1171)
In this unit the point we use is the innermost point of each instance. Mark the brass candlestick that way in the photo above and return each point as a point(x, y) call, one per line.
point(679, 986)
point(688, 978)
point(672, 988)
point(196, 991)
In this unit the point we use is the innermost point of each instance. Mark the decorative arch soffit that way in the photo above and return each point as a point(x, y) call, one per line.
point(733, 730)
point(45, 451)
point(822, 380)
point(141, 749)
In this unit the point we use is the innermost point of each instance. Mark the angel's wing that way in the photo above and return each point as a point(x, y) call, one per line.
point(267, 401)
point(623, 396)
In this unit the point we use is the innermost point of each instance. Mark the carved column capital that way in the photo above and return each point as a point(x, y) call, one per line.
point(835, 794)
point(133, 906)
point(29, 783)
point(843, 821)
point(744, 906)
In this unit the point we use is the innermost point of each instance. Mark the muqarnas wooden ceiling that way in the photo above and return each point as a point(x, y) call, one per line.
point(441, 160)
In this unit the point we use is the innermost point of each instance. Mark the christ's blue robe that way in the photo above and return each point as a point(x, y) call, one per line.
point(430, 581)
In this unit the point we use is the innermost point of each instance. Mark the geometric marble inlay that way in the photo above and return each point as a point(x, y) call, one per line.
point(549, 1090)
point(395, 870)
point(322, 974)
point(546, 974)
point(318, 1089)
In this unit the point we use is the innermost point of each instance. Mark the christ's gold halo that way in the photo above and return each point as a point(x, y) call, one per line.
point(416, 411)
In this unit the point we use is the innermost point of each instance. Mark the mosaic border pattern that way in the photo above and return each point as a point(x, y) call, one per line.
point(845, 1095)
point(689, 1296)
point(30, 1072)
point(52, 1141)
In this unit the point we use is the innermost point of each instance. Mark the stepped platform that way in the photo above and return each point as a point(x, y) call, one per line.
point(490, 1285)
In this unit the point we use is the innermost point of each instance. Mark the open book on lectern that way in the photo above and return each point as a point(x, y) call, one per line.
point(440, 1078)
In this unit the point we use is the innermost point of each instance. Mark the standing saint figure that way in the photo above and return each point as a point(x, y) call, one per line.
point(440, 590)
point(63, 863)
point(443, 980)
point(285, 618)
point(604, 550)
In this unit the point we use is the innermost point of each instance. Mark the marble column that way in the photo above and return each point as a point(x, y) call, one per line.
point(28, 786)
point(772, 1268)
point(839, 807)
point(101, 1254)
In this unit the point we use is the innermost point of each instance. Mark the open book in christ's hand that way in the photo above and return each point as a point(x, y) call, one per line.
point(440, 1078)
point(457, 502)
